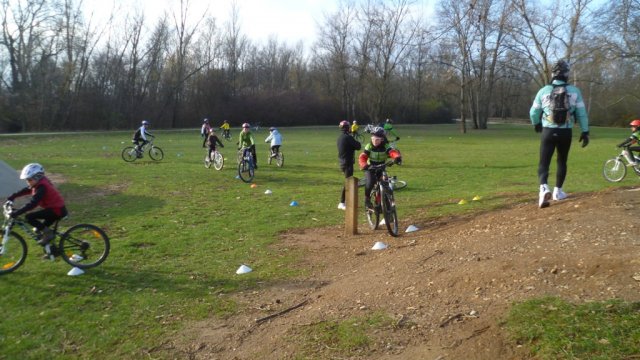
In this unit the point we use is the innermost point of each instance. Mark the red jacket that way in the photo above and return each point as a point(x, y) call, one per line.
point(44, 194)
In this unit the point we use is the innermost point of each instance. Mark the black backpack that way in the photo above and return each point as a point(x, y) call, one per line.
point(559, 104)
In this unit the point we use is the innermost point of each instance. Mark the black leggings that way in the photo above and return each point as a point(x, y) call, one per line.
point(47, 215)
point(552, 139)
point(347, 169)
point(370, 177)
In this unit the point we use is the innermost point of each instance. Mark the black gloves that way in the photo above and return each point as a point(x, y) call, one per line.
point(537, 127)
point(584, 138)
point(397, 138)
point(398, 160)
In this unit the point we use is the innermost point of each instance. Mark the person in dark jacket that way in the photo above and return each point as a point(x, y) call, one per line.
point(43, 194)
point(347, 147)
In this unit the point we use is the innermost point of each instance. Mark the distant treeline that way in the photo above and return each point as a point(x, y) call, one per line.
point(372, 60)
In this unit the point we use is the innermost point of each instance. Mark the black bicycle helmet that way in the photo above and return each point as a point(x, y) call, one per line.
point(560, 69)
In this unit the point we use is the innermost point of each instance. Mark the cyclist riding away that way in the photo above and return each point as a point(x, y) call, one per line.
point(204, 131)
point(389, 131)
point(633, 139)
point(276, 141)
point(225, 129)
point(212, 140)
point(375, 153)
point(140, 137)
point(347, 146)
point(43, 194)
point(247, 140)
point(354, 128)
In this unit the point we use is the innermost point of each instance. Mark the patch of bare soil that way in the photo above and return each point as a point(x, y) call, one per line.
point(447, 286)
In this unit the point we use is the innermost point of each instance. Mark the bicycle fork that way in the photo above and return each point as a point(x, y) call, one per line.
point(5, 238)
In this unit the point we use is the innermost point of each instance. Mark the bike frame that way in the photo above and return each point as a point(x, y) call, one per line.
point(10, 223)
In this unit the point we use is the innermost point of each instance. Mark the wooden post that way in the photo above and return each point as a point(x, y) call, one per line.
point(351, 213)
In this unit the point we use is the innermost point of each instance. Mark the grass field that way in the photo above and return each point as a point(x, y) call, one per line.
point(179, 231)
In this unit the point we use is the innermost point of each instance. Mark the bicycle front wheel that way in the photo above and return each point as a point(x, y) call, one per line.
point(245, 171)
point(389, 210)
point(84, 246)
point(280, 159)
point(614, 170)
point(218, 161)
point(129, 154)
point(155, 153)
point(13, 252)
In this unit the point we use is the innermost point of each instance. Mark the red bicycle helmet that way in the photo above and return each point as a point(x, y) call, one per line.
point(635, 123)
point(344, 124)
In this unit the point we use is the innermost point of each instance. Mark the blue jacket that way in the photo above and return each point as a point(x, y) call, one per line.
point(541, 108)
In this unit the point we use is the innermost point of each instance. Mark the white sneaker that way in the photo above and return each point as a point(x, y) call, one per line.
point(544, 196)
point(558, 194)
point(342, 206)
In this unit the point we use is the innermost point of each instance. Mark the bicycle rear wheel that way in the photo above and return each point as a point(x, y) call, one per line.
point(155, 153)
point(280, 159)
point(129, 154)
point(389, 211)
point(614, 170)
point(84, 246)
point(396, 184)
point(13, 252)
point(245, 171)
point(373, 216)
point(218, 161)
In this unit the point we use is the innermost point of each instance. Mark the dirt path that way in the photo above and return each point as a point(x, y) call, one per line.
point(446, 286)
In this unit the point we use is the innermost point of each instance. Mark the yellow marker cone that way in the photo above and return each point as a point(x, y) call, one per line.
point(462, 202)
point(477, 197)
point(254, 186)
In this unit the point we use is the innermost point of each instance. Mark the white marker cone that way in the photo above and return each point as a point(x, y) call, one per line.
point(268, 192)
point(379, 245)
point(411, 228)
point(243, 269)
point(382, 222)
point(75, 272)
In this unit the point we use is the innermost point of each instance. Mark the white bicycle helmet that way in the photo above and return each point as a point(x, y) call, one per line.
point(145, 122)
point(31, 171)
point(246, 126)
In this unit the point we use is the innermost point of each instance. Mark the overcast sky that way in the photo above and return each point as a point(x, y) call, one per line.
point(289, 20)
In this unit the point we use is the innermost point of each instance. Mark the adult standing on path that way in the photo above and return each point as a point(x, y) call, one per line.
point(555, 109)
point(347, 147)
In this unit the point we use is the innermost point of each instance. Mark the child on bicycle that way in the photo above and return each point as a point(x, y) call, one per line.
point(43, 194)
point(375, 153)
point(276, 141)
point(140, 137)
point(633, 139)
point(354, 128)
point(225, 129)
point(204, 131)
point(212, 140)
point(246, 140)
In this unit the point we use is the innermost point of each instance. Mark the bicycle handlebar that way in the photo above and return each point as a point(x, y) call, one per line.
point(380, 166)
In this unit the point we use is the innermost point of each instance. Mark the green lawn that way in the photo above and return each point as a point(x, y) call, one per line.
point(179, 231)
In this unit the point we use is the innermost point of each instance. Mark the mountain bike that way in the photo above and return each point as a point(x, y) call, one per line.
point(383, 201)
point(226, 134)
point(358, 136)
point(130, 153)
point(245, 165)
point(83, 245)
point(615, 169)
point(278, 156)
point(394, 183)
point(214, 158)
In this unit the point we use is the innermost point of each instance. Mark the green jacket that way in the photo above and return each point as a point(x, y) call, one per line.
point(246, 139)
point(541, 108)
